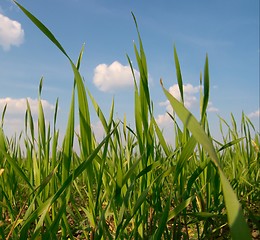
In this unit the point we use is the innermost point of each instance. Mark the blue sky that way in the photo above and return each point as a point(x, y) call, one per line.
point(228, 31)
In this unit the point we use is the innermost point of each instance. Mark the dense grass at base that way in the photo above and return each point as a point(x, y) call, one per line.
point(131, 185)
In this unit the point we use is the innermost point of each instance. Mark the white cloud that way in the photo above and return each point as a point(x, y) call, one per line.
point(163, 120)
point(13, 126)
point(255, 114)
point(189, 92)
point(166, 125)
point(11, 33)
point(109, 78)
point(191, 99)
point(211, 108)
point(15, 112)
point(17, 106)
point(98, 130)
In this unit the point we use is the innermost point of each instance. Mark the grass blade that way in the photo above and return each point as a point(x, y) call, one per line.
point(178, 73)
point(237, 223)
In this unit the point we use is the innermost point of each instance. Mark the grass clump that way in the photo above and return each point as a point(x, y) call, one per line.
point(131, 185)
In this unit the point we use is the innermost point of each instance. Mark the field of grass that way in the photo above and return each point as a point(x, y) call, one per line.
point(131, 185)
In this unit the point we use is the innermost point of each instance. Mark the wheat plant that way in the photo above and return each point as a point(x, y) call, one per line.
point(131, 185)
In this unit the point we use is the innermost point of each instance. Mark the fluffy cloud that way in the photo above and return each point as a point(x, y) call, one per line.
point(191, 99)
point(163, 120)
point(14, 117)
point(189, 92)
point(211, 108)
point(11, 33)
point(255, 114)
point(17, 106)
point(109, 78)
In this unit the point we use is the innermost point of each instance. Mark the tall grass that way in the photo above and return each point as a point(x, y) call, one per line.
point(131, 185)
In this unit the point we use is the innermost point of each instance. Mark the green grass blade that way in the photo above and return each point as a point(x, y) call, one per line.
point(29, 120)
point(68, 141)
point(84, 116)
point(205, 89)
point(179, 208)
point(237, 224)
point(178, 73)
point(41, 120)
point(163, 221)
point(160, 137)
point(192, 124)
point(42, 27)
point(229, 144)
point(3, 116)
point(186, 153)
point(98, 111)
point(2, 141)
point(144, 87)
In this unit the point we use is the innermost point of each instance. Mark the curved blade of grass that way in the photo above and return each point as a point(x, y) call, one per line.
point(195, 175)
point(160, 137)
point(144, 93)
point(138, 122)
point(84, 115)
point(229, 144)
point(148, 169)
point(185, 155)
point(55, 114)
point(192, 124)
point(29, 120)
point(3, 116)
point(68, 140)
point(98, 111)
point(178, 73)
point(41, 26)
point(41, 119)
point(132, 70)
point(2, 141)
point(173, 213)
point(237, 223)
point(205, 88)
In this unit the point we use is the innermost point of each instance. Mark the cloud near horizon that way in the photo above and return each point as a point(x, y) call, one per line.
point(211, 108)
point(109, 78)
point(189, 92)
point(15, 112)
point(190, 97)
point(191, 100)
point(11, 33)
point(255, 114)
point(18, 106)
